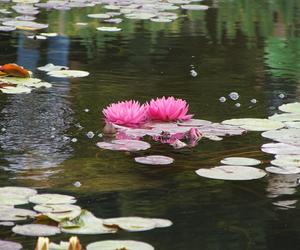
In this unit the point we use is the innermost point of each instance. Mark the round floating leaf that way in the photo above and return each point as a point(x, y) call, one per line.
point(231, 173)
point(86, 223)
point(15, 90)
point(15, 214)
point(51, 67)
point(19, 191)
point(20, 81)
point(240, 161)
point(68, 73)
point(293, 124)
point(7, 28)
point(52, 199)
point(140, 15)
point(154, 160)
point(10, 245)
point(287, 117)
point(255, 124)
point(290, 107)
point(194, 123)
point(289, 136)
point(132, 224)
point(70, 215)
point(100, 16)
point(194, 7)
point(7, 224)
point(56, 208)
point(8, 199)
point(161, 20)
point(109, 29)
point(35, 230)
point(49, 35)
point(286, 161)
point(30, 25)
point(284, 170)
point(119, 244)
point(280, 149)
point(124, 145)
point(162, 222)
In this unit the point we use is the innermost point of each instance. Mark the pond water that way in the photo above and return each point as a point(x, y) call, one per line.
point(250, 47)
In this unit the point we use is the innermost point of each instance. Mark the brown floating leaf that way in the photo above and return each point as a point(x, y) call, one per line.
point(13, 69)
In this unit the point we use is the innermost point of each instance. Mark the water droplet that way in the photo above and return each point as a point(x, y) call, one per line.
point(90, 134)
point(77, 184)
point(193, 73)
point(281, 96)
point(86, 110)
point(222, 99)
point(234, 96)
point(238, 105)
point(74, 140)
point(253, 101)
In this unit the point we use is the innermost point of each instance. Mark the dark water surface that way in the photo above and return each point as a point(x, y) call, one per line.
point(248, 46)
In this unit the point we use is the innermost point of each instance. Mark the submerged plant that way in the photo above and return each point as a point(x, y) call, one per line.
point(168, 109)
point(127, 113)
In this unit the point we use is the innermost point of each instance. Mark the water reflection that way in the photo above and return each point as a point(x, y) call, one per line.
point(35, 124)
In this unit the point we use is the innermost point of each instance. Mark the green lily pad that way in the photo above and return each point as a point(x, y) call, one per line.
point(86, 223)
point(289, 136)
point(154, 160)
point(119, 245)
point(12, 200)
point(255, 124)
point(109, 29)
point(290, 107)
point(18, 191)
point(160, 223)
point(15, 90)
point(231, 173)
point(240, 161)
point(131, 224)
point(51, 67)
point(60, 216)
point(10, 245)
point(293, 124)
point(283, 170)
point(286, 161)
point(286, 117)
point(35, 230)
point(56, 208)
point(68, 73)
point(15, 214)
point(52, 199)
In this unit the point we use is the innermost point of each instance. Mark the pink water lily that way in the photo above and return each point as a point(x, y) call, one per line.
point(168, 109)
point(127, 113)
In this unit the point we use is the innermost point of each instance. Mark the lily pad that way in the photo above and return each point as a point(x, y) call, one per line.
point(15, 90)
point(100, 16)
point(293, 124)
point(283, 170)
point(255, 124)
point(68, 73)
point(51, 67)
point(286, 161)
point(52, 199)
point(286, 117)
point(131, 224)
point(280, 148)
point(194, 123)
point(56, 208)
point(59, 216)
point(20, 81)
point(290, 108)
point(160, 223)
point(10, 245)
point(194, 7)
point(15, 214)
point(231, 173)
point(119, 244)
point(19, 191)
point(26, 25)
point(109, 29)
point(289, 136)
point(154, 160)
point(240, 161)
point(86, 223)
point(11, 200)
point(35, 230)
point(124, 145)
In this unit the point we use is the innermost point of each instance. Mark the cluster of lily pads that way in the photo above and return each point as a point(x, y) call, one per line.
point(55, 213)
point(283, 128)
point(14, 79)
point(153, 10)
